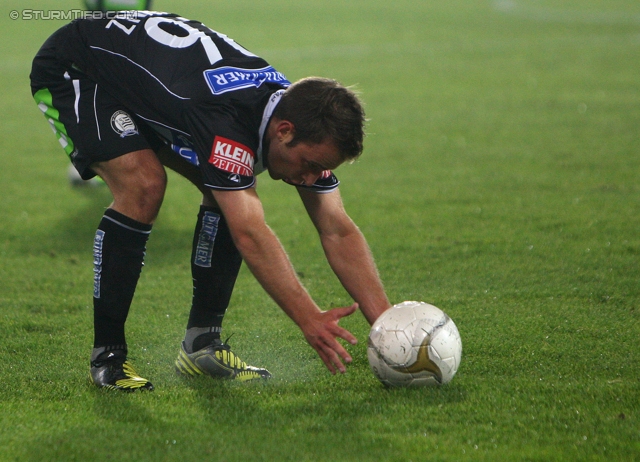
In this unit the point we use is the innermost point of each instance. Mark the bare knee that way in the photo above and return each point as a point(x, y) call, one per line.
point(145, 197)
point(137, 181)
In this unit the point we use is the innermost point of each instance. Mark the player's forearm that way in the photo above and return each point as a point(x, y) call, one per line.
point(263, 253)
point(347, 251)
point(352, 261)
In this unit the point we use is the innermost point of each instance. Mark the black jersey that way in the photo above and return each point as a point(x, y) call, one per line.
point(202, 92)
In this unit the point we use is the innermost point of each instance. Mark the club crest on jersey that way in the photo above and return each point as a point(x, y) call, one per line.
point(232, 157)
point(224, 79)
point(123, 125)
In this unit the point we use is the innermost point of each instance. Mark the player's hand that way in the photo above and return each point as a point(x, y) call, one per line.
point(322, 332)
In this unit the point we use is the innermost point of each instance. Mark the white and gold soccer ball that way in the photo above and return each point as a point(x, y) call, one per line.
point(414, 344)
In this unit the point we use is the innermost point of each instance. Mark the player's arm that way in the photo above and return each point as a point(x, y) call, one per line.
point(347, 251)
point(267, 260)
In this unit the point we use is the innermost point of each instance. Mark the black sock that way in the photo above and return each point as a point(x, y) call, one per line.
point(215, 263)
point(118, 254)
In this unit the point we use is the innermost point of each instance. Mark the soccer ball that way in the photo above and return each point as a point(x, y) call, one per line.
point(414, 344)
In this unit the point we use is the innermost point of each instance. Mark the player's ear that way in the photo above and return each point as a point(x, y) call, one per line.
point(285, 131)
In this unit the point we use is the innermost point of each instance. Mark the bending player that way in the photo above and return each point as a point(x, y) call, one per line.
point(129, 93)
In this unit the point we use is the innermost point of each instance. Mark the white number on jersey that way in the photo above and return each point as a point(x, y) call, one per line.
point(153, 29)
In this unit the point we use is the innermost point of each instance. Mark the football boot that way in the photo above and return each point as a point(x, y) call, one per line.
point(111, 370)
point(218, 361)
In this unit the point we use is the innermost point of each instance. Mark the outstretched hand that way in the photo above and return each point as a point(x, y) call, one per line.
point(322, 332)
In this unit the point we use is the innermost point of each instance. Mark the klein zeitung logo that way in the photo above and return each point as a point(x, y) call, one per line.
point(231, 156)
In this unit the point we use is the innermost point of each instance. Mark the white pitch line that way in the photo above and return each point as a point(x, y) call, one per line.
point(542, 14)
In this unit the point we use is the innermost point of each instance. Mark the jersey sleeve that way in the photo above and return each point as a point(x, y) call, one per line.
point(226, 150)
point(230, 164)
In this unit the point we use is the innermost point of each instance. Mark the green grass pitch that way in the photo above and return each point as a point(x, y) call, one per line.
point(500, 182)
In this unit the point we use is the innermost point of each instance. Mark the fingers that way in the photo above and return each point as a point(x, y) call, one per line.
point(337, 331)
point(327, 362)
point(331, 356)
point(329, 349)
point(344, 311)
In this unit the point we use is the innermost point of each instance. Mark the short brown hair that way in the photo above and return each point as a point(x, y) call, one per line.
point(322, 109)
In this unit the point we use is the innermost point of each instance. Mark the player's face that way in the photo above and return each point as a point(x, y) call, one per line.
point(303, 163)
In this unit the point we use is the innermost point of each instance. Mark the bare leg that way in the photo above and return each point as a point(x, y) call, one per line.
point(137, 181)
point(192, 173)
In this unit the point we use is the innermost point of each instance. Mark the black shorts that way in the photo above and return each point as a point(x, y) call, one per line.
point(89, 123)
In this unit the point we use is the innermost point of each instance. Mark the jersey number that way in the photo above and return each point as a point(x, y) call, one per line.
point(153, 29)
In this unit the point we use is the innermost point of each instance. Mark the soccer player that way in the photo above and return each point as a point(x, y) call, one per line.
point(128, 94)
